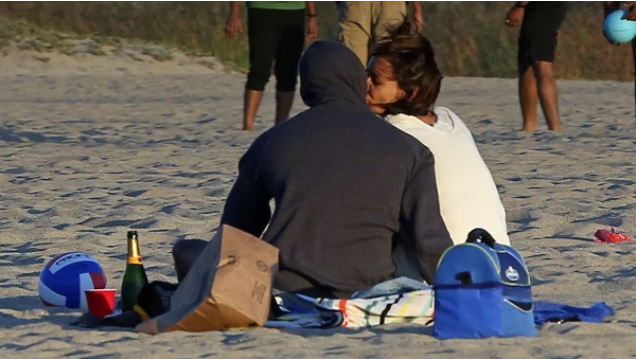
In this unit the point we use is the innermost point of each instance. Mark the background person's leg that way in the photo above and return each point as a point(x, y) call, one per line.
point(185, 253)
point(288, 53)
point(528, 98)
point(251, 103)
point(284, 103)
point(542, 53)
point(527, 84)
point(547, 93)
point(262, 34)
point(355, 27)
point(541, 26)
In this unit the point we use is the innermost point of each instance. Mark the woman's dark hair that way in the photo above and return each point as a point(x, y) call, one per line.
point(414, 68)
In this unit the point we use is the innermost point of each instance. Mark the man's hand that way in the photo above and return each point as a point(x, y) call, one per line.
point(632, 13)
point(515, 16)
point(312, 29)
point(418, 16)
point(233, 27)
point(234, 24)
point(419, 20)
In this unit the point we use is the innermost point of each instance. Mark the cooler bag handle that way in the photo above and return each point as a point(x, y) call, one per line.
point(481, 235)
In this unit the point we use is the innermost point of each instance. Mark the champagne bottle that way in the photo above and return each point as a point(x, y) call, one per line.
point(134, 276)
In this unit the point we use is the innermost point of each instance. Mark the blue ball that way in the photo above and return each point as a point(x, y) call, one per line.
point(618, 29)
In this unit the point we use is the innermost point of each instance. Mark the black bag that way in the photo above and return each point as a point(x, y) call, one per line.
point(153, 300)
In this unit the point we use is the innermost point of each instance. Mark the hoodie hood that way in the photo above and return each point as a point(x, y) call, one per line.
point(329, 72)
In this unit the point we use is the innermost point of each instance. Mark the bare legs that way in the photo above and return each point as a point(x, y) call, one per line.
point(538, 82)
point(548, 93)
point(252, 101)
point(284, 102)
point(528, 99)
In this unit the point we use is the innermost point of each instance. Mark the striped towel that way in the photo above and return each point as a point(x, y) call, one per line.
point(404, 303)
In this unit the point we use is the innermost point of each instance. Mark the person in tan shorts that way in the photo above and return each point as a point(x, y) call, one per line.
point(363, 22)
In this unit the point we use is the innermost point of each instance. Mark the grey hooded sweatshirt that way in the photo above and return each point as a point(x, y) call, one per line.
point(345, 184)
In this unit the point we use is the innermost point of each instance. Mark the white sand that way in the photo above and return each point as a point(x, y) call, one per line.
point(95, 146)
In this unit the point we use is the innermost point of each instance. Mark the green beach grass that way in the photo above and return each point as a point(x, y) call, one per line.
point(469, 37)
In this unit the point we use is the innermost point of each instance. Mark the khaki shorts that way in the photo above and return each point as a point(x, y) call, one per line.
point(364, 22)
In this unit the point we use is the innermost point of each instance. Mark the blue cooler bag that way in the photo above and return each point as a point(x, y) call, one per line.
point(482, 289)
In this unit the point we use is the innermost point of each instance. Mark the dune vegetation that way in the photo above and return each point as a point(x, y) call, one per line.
point(470, 37)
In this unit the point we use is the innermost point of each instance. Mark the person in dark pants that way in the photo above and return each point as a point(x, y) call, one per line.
point(540, 22)
point(276, 34)
point(345, 184)
point(611, 6)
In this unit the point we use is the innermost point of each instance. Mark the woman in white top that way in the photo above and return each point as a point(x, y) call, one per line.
point(404, 83)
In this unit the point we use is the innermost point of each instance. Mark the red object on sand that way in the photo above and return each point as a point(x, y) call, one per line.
point(605, 236)
point(101, 302)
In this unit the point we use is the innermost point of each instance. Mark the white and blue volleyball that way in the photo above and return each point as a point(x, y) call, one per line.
point(65, 278)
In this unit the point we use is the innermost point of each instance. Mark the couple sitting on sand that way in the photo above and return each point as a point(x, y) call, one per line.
point(361, 198)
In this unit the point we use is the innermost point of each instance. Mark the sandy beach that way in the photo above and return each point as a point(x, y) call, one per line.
point(92, 147)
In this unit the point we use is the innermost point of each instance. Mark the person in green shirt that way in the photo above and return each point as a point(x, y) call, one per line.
point(276, 34)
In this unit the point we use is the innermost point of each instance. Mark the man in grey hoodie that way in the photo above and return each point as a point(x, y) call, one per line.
point(345, 184)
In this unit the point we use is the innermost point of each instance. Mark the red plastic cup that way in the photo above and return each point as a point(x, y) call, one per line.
point(101, 302)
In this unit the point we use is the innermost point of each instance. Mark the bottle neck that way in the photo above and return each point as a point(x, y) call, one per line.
point(133, 251)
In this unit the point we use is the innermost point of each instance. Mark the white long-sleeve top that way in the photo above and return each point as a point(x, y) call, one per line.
point(468, 195)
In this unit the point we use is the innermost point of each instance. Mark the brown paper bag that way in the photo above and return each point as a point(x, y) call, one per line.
point(229, 286)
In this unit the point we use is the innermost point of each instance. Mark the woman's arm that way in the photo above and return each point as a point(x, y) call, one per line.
point(312, 23)
point(234, 24)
